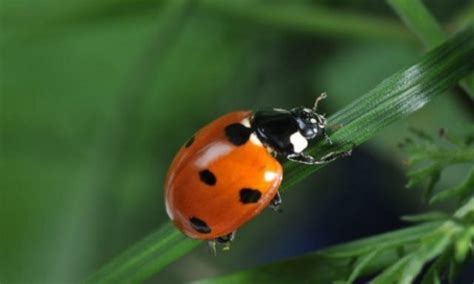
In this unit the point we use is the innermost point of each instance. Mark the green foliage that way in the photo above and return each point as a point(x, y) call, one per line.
point(92, 92)
point(336, 264)
point(397, 257)
point(461, 191)
point(395, 98)
point(441, 243)
point(437, 154)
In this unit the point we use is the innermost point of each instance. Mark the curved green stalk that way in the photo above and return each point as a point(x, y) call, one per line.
point(311, 19)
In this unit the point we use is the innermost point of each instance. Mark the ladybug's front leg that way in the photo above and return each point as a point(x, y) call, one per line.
point(310, 160)
point(302, 158)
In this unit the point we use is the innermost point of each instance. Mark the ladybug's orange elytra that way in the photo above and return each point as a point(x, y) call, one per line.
point(214, 185)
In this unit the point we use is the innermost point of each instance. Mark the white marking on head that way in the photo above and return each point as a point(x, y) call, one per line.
point(254, 139)
point(280, 109)
point(245, 122)
point(212, 153)
point(313, 120)
point(298, 141)
point(307, 110)
point(270, 176)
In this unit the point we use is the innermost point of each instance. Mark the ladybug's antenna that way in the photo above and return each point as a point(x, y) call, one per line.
point(319, 98)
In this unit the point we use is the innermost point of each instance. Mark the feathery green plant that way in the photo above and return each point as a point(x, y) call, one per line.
point(438, 155)
point(393, 99)
point(441, 242)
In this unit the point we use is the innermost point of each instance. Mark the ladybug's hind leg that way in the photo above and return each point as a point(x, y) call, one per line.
point(226, 240)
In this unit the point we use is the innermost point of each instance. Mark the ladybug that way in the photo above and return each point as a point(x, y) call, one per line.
point(227, 173)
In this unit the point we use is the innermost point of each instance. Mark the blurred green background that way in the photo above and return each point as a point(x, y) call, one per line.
point(97, 96)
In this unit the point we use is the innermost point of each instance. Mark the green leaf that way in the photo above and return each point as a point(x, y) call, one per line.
point(466, 210)
point(310, 19)
point(426, 27)
point(428, 250)
point(405, 270)
point(388, 240)
point(431, 173)
point(393, 273)
point(361, 264)
point(463, 244)
point(461, 191)
point(146, 257)
point(440, 154)
point(395, 98)
point(432, 274)
point(426, 217)
point(453, 270)
point(419, 19)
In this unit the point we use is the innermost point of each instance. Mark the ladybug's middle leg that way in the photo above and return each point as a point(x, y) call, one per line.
point(276, 203)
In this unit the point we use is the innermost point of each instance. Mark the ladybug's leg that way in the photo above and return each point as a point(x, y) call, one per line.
point(226, 240)
point(310, 160)
point(302, 158)
point(212, 247)
point(276, 203)
point(327, 138)
point(334, 156)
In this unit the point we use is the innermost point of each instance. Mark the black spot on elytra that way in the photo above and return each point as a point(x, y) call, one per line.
point(190, 142)
point(248, 195)
point(237, 133)
point(207, 177)
point(199, 225)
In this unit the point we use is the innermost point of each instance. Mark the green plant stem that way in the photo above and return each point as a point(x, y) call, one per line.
point(420, 21)
point(146, 257)
point(393, 99)
point(315, 20)
point(417, 17)
point(311, 19)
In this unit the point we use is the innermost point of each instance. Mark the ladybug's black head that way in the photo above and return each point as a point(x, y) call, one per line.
point(310, 123)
